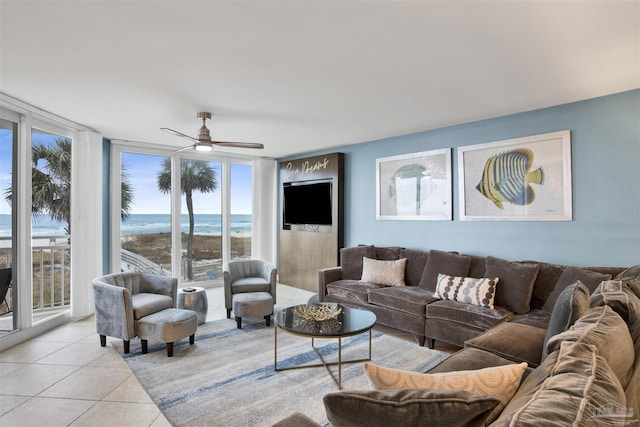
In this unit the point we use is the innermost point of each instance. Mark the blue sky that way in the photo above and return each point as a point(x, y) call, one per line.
point(143, 170)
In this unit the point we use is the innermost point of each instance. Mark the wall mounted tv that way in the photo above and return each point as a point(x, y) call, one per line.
point(307, 203)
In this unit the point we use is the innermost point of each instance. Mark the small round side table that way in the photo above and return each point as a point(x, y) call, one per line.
point(194, 298)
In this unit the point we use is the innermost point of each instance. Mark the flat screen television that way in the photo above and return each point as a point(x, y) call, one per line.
point(307, 203)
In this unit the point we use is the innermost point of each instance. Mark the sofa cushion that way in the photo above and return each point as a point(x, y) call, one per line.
point(389, 273)
point(352, 290)
point(500, 381)
point(388, 253)
point(477, 266)
point(469, 358)
point(571, 304)
point(516, 283)
point(579, 388)
point(570, 275)
point(603, 328)
point(416, 261)
point(467, 314)
point(466, 289)
point(443, 262)
point(409, 299)
point(408, 407)
point(546, 279)
point(145, 304)
point(513, 341)
point(536, 317)
point(351, 260)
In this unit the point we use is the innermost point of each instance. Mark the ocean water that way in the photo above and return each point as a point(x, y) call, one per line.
point(141, 224)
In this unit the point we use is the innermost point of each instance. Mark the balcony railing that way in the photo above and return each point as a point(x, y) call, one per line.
point(51, 271)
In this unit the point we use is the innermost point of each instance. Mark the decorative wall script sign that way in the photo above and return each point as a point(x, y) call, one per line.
point(306, 168)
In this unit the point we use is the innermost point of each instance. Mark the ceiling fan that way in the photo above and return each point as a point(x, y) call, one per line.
point(204, 143)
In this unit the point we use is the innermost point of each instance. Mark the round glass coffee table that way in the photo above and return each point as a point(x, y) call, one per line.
point(351, 321)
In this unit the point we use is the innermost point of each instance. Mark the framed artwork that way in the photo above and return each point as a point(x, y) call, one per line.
point(414, 186)
point(521, 179)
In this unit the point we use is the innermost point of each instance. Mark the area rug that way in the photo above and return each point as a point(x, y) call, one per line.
point(227, 377)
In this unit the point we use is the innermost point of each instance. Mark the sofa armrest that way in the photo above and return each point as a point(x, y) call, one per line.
point(326, 276)
point(113, 311)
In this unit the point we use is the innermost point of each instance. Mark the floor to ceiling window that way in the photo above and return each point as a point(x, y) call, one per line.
point(8, 142)
point(214, 207)
point(51, 223)
point(201, 224)
point(145, 213)
point(241, 186)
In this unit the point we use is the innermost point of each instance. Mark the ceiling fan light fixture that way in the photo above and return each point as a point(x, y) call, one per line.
point(203, 147)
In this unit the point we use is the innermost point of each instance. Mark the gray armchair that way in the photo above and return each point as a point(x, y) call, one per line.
point(121, 299)
point(249, 275)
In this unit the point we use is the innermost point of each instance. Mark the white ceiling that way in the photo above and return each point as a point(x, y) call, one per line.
point(301, 76)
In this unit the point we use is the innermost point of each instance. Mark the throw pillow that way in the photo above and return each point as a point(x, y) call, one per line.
point(499, 381)
point(408, 407)
point(516, 283)
point(388, 273)
point(351, 260)
point(572, 302)
point(603, 328)
point(466, 289)
point(590, 279)
point(443, 262)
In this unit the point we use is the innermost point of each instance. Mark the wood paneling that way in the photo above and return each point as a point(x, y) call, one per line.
point(303, 252)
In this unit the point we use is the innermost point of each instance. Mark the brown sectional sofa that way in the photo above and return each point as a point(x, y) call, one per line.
point(524, 294)
point(589, 374)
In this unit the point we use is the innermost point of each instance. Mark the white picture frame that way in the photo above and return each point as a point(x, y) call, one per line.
point(520, 179)
point(414, 186)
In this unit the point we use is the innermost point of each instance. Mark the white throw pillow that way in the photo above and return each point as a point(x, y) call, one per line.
point(479, 292)
point(389, 273)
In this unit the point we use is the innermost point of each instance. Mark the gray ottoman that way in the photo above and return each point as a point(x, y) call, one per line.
point(252, 304)
point(168, 326)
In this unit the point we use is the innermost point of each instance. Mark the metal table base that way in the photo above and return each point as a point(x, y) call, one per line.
point(327, 365)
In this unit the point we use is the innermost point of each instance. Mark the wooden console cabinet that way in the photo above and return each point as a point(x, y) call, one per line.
point(304, 249)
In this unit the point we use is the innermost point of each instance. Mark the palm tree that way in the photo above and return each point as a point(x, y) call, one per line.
point(51, 183)
point(195, 175)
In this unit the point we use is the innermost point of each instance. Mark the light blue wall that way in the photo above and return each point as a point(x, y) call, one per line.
point(605, 147)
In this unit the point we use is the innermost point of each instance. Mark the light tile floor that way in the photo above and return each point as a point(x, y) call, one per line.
point(64, 377)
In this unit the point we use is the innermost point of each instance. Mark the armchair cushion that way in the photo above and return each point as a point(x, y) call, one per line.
point(145, 304)
point(250, 284)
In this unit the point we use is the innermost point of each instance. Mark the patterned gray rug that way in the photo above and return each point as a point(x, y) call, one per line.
point(227, 377)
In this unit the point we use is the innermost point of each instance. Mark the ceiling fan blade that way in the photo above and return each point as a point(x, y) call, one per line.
point(175, 132)
point(188, 147)
point(238, 144)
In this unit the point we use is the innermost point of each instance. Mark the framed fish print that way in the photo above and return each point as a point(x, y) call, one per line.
point(414, 186)
point(521, 179)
